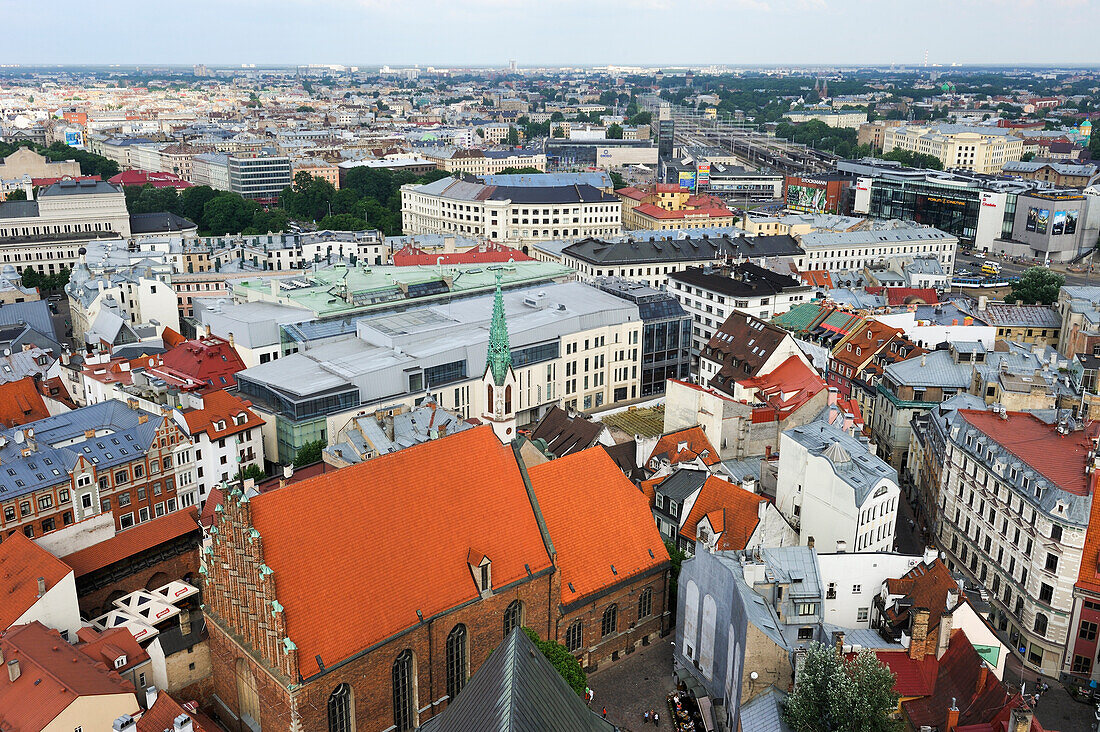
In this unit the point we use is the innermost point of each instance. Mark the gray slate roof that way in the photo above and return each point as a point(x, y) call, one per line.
point(126, 438)
point(862, 470)
point(765, 712)
point(517, 690)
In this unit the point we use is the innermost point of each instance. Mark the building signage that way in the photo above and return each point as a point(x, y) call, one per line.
point(947, 201)
point(687, 181)
point(990, 654)
point(703, 174)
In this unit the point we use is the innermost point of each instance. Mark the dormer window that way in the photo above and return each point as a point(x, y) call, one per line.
point(681, 446)
point(120, 661)
point(481, 568)
point(219, 425)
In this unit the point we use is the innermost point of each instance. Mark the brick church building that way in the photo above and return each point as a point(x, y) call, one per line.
point(363, 599)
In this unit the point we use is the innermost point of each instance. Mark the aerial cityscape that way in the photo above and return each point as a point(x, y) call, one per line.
point(498, 387)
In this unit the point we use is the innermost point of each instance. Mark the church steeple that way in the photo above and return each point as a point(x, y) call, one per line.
point(500, 354)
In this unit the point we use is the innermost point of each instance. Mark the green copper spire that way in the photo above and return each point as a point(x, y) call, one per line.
point(500, 355)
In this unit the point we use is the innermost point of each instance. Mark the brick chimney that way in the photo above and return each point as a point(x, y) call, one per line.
point(943, 637)
point(983, 677)
point(41, 586)
point(838, 640)
point(918, 632)
point(952, 717)
point(1020, 721)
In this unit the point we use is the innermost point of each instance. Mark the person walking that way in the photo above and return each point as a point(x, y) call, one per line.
point(646, 716)
point(605, 712)
point(656, 719)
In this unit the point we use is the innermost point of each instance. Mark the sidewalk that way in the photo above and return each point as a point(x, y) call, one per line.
point(631, 686)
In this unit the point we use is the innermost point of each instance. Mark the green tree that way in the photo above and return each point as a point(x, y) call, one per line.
point(255, 472)
point(617, 180)
point(561, 659)
point(309, 453)
point(614, 132)
point(342, 222)
point(526, 170)
point(513, 135)
point(1037, 286)
point(17, 195)
point(306, 108)
point(838, 695)
point(641, 118)
point(1027, 157)
point(676, 559)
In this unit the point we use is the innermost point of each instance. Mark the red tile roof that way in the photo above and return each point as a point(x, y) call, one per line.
point(732, 510)
point(668, 447)
point(120, 370)
point(108, 646)
point(817, 278)
point(209, 362)
point(55, 389)
point(959, 677)
point(912, 678)
point(22, 562)
point(600, 524)
point(656, 212)
point(783, 389)
point(215, 497)
point(221, 407)
point(926, 585)
point(21, 403)
point(1061, 459)
point(163, 713)
point(631, 192)
point(133, 541)
point(144, 177)
point(409, 256)
point(171, 338)
point(52, 676)
point(1088, 576)
point(907, 295)
point(461, 491)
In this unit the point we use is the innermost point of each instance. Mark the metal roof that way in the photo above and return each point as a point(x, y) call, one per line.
point(517, 690)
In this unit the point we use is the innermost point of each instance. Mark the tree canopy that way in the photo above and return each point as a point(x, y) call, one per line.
point(614, 132)
point(914, 160)
point(309, 453)
point(835, 694)
point(1037, 286)
point(561, 659)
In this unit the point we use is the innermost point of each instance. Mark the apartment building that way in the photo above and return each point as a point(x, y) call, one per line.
point(981, 149)
point(877, 245)
point(226, 435)
point(710, 294)
point(481, 162)
point(318, 168)
point(108, 459)
point(47, 233)
point(211, 169)
point(650, 257)
point(1016, 496)
point(832, 488)
point(518, 215)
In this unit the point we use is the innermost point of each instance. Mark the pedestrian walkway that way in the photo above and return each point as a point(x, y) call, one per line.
point(633, 685)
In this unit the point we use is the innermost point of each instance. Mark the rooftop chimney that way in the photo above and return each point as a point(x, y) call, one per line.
point(918, 633)
point(952, 717)
point(182, 723)
point(13, 670)
point(125, 723)
point(150, 696)
point(41, 586)
point(1020, 721)
point(930, 555)
point(841, 546)
point(810, 542)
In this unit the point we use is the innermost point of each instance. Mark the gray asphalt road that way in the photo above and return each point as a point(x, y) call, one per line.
point(1009, 269)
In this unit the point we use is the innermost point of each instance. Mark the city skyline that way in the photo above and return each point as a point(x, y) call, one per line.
point(557, 33)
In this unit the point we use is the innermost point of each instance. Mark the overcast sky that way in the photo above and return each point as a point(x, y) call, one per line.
point(551, 32)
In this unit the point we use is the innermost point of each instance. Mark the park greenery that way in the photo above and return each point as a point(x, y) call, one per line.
point(841, 695)
point(90, 163)
point(370, 199)
point(309, 453)
point(1036, 286)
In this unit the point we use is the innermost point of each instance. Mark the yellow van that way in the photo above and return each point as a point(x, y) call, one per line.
point(991, 268)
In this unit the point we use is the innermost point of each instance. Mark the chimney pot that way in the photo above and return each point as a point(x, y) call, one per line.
point(150, 696)
point(13, 670)
point(41, 586)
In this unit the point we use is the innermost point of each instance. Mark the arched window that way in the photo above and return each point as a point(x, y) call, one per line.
point(610, 620)
point(1040, 624)
point(341, 718)
point(457, 669)
point(645, 603)
point(404, 693)
point(573, 636)
point(508, 399)
point(513, 617)
point(248, 699)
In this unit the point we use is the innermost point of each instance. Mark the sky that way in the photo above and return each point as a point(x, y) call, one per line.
point(551, 32)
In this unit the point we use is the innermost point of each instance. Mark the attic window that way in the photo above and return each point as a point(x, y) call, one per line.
point(120, 661)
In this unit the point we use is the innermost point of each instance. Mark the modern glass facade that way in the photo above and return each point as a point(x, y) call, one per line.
point(949, 209)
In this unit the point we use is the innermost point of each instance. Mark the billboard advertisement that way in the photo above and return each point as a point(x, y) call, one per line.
point(74, 138)
point(1032, 217)
point(703, 174)
point(1058, 223)
point(687, 181)
point(806, 198)
point(1042, 221)
point(1071, 222)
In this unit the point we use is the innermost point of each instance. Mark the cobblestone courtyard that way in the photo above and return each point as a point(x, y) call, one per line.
point(639, 682)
